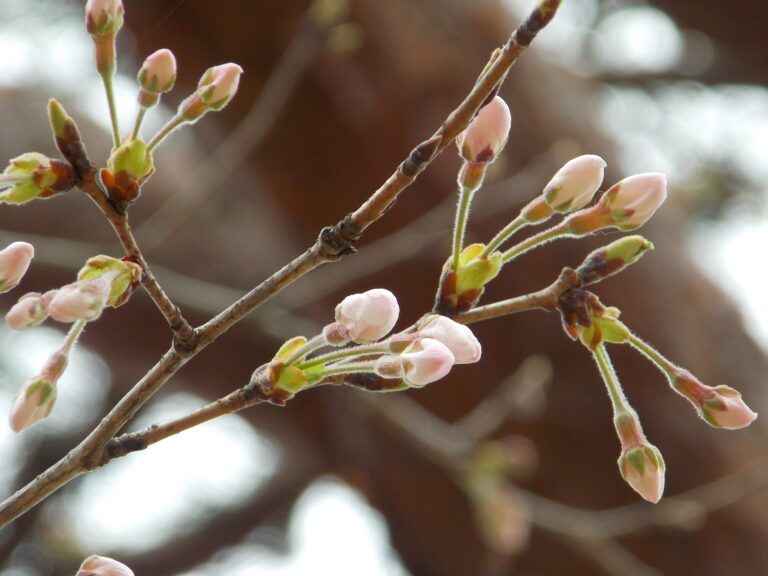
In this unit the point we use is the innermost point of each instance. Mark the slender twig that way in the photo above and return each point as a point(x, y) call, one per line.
point(545, 299)
point(332, 243)
point(119, 222)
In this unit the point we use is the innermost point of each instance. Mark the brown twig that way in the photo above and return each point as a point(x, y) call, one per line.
point(545, 299)
point(119, 222)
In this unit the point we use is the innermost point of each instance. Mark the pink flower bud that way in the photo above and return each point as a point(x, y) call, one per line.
point(426, 361)
point(158, 73)
point(487, 134)
point(219, 84)
point(103, 17)
point(458, 338)
point(14, 261)
point(368, 316)
point(643, 468)
point(633, 201)
point(82, 300)
point(103, 566)
point(32, 403)
point(29, 311)
point(573, 186)
point(721, 406)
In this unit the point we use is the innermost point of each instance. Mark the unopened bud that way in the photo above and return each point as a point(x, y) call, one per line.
point(721, 406)
point(29, 311)
point(157, 75)
point(634, 200)
point(103, 566)
point(426, 361)
point(34, 175)
point(103, 17)
point(573, 186)
point(641, 464)
point(457, 337)
point(219, 84)
point(643, 468)
point(123, 276)
point(83, 300)
point(369, 316)
point(461, 289)
point(485, 137)
point(128, 167)
point(33, 402)
point(14, 262)
point(612, 259)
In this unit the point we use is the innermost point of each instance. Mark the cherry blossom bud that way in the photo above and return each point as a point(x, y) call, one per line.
point(103, 566)
point(721, 406)
point(369, 316)
point(643, 469)
point(635, 199)
point(34, 175)
point(82, 300)
point(158, 73)
point(103, 17)
point(612, 258)
point(33, 403)
point(573, 186)
point(29, 311)
point(641, 464)
point(458, 338)
point(14, 262)
point(219, 84)
point(426, 361)
point(128, 167)
point(487, 134)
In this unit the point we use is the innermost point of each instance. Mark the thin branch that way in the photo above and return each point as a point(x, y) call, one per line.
point(119, 222)
point(545, 299)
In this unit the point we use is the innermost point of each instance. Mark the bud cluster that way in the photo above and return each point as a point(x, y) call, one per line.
point(416, 357)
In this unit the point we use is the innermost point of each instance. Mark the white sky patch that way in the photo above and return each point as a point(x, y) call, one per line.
point(640, 39)
point(734, 259)
point(141, 501)
point(332, 531)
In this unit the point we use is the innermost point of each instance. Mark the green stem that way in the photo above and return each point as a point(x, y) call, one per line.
point(612, 384)
point(169, 127)
point(504, 235)
point(649, 352)
point(344, 354)
point(530, 243)
point(73, 335)
point(358, 367)
point(462, 214)
point(312, 344)
point(106, 78)
point(139, 119)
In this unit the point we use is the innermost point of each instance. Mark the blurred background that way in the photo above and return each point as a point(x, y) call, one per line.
point(505, 467)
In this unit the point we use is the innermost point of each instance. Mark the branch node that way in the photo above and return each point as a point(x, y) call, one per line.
point(335, 243)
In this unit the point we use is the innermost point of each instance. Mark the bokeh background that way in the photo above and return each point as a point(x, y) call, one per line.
point(506, 467)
